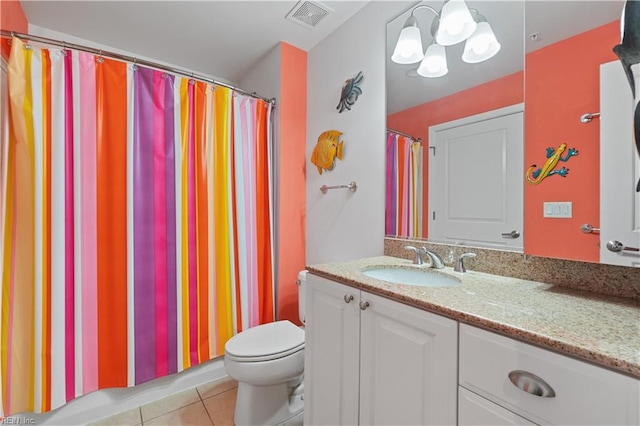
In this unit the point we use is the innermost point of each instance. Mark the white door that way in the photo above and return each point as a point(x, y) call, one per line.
point(476, 179)
point(408, 365)
point(332, 351)
point(619, 168)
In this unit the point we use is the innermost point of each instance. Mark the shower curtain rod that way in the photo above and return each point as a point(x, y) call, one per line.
point(413, 138)
point(132, 59)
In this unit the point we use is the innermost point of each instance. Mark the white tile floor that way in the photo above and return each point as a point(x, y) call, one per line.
point(209, 404)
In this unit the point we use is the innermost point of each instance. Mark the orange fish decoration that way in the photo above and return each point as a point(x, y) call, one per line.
point(327, 149)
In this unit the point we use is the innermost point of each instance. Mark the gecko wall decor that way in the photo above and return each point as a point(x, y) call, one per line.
point(534, 176)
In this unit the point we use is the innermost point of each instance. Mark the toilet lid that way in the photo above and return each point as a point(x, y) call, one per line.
point(270, 340)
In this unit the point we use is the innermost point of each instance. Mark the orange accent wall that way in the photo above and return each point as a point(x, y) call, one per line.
point(499, 93)
point(12, 18)
point(292, 110)
point(562, 83)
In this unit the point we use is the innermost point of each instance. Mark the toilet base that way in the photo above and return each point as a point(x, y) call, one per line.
point(268, 405)
point(296, 420)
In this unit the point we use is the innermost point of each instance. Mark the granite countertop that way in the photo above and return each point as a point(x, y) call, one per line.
point(601, 329)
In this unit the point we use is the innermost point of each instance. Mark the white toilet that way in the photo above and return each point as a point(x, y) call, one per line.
point(268, 363)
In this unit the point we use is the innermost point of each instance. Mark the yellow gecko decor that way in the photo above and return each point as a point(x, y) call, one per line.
point(327, 149)
point(535, 176)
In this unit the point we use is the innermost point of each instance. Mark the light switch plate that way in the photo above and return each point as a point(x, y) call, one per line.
point(557, 209)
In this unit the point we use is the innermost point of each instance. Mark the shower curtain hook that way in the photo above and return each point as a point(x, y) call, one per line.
point(192, 81)
point(64, 48)
point(135, 64)
point(100, 59)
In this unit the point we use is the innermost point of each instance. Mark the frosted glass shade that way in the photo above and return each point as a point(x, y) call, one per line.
point(481, 46)
point(456, 23)
point(409, 46)
point(434, 63)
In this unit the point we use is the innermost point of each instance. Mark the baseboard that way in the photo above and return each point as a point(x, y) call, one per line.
point(107, 402)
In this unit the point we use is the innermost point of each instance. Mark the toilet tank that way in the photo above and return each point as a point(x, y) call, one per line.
point(302, 281)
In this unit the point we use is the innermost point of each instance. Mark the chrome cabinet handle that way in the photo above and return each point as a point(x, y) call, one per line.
point(532, 384)
point(364, 305)
point(616, 247)
point(513, 234)
point(348, 298)
point(589, 229)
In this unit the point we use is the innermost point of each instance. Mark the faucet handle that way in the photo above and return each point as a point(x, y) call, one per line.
point(460, 264)
point(418, 259)
point(434, 258)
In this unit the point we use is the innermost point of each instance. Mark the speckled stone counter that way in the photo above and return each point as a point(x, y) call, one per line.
point(601, 329)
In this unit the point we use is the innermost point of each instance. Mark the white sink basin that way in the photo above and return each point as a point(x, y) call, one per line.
point(417, 277)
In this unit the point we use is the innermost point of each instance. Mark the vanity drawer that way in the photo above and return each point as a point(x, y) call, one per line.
point(584, 394)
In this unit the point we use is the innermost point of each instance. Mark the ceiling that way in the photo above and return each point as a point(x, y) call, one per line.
point(223, 39)
point(512, 21)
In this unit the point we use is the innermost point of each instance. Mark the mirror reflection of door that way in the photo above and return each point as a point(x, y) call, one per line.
point(619, 202)
point(475, 176)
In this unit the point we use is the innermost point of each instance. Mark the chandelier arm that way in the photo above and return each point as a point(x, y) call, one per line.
point(435, 23)
point(476, 15)
point(425, 6)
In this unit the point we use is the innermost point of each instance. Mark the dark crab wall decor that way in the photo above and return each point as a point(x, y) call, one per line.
point(350, 92)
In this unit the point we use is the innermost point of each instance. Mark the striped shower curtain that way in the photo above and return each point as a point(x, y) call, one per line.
point(137, 218)
point(403, 203)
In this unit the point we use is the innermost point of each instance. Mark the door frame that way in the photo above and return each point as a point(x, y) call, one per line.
point(476, 118)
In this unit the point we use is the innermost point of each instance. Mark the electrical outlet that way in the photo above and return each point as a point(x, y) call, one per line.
point(557, 209)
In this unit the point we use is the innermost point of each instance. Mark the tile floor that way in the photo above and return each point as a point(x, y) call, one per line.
point(210, 404)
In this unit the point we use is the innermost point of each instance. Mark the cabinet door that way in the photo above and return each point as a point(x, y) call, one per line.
point(408, 365)
point(511, 373)
point(474, 410)
point(331, 353)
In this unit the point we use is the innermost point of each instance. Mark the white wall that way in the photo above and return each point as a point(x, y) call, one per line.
point(343, 225)
point(57, 35)
point(264, 76)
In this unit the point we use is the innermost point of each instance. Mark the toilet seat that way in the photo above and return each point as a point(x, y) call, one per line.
point(265, 342)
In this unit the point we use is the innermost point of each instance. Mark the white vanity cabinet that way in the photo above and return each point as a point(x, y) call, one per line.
point(553, 388)
point(370, 360)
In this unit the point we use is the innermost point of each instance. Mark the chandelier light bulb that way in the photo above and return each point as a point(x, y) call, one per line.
point(434, 63)
point(482, 45)
point(456, 23)
point(409, 46)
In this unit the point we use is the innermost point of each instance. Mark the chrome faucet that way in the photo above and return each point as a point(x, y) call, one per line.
point(460, 264)
point(436, 260)
point(418, 259)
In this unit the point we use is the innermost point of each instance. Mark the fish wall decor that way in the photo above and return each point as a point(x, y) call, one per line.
point(328, 148)
point(629, 54)
point(350, 92)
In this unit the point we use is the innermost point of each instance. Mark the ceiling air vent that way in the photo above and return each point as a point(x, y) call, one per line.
point(308, 13)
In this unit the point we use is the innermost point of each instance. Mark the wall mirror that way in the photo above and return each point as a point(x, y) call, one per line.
point(530, 34)
point(416, 102)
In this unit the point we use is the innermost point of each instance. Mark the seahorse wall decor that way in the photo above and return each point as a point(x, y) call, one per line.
point(534, 175)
